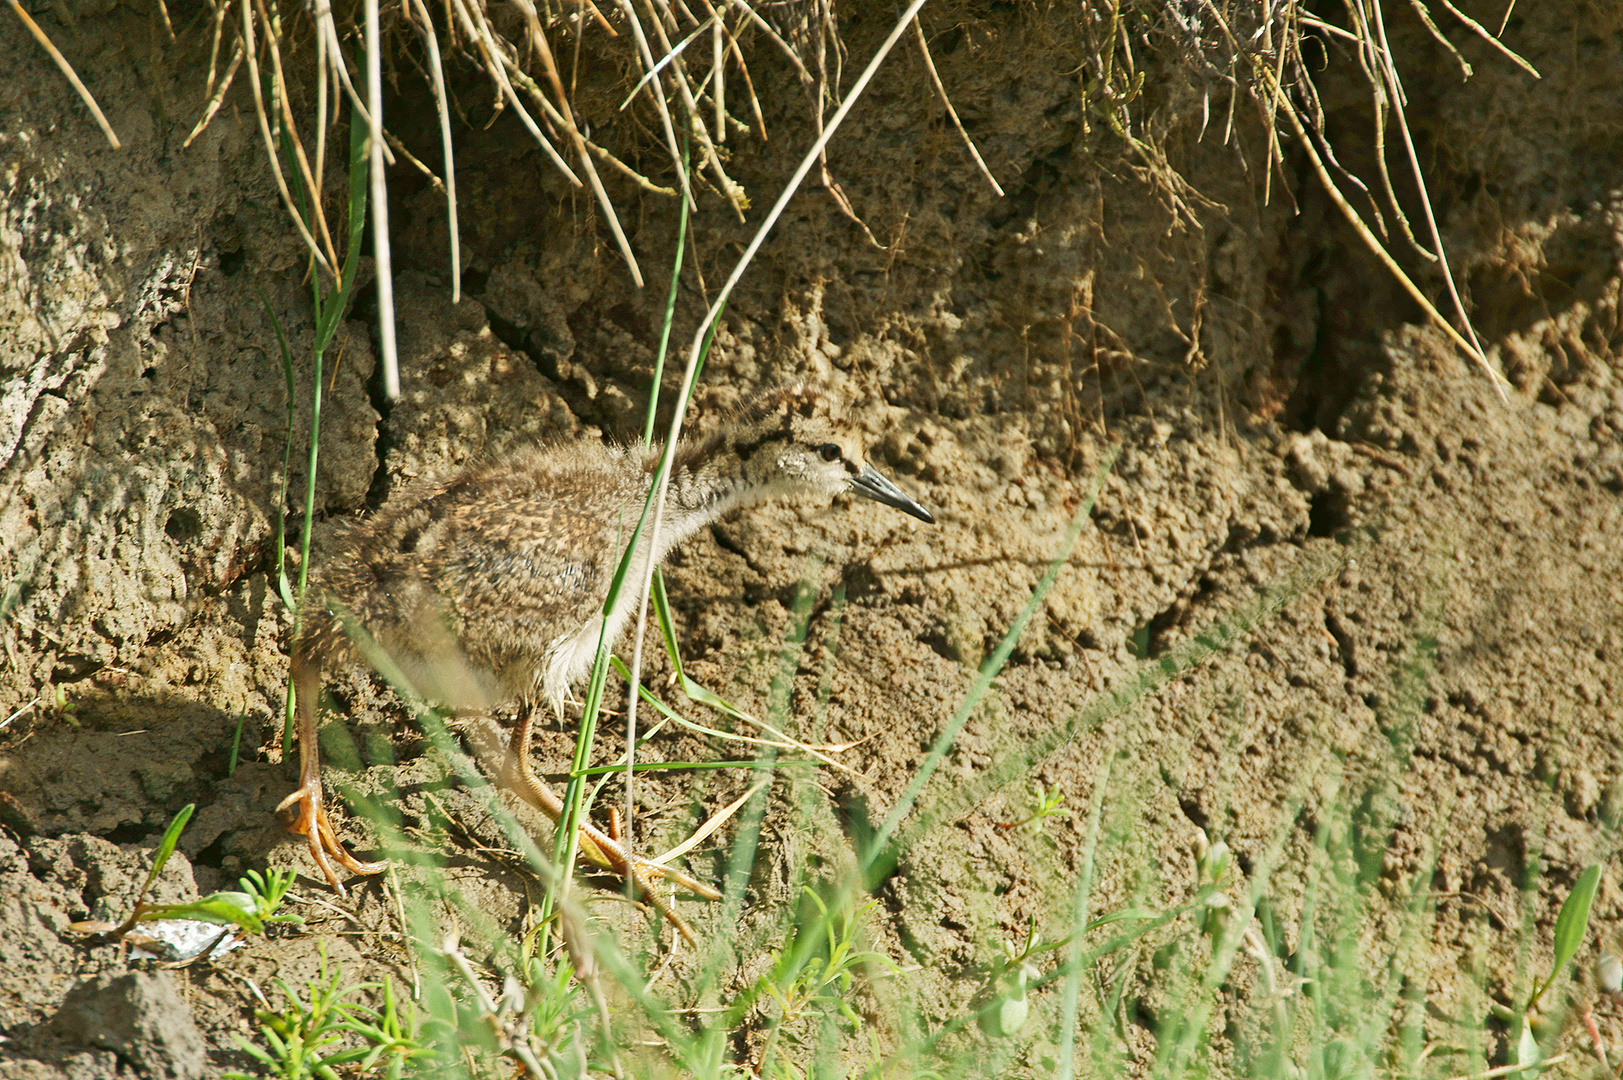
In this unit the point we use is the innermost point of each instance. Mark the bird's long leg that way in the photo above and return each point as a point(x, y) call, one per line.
point(595, 845)
point(311, 820)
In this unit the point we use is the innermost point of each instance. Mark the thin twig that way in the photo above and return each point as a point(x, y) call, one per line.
point(711, 824)
point(1378, 111)
point(1504, 22)
point(7, 721)
point(660, 64)
point(163, 9)
point(221, 10)
point(743, 68)
point(311, 185)
point(516, 1041)
point(1332, 29)
point(442, 102)
point(218, 97)
point(718, 67)
point(327, 28)
point(1506, 1070)
point(1278, 102)
point(1369, 63)
point(929, 64)
point(1424, 14)
point(396, 895)
point(413, 160)
point(629, 173)
point(67, 70)
point(495, 65)
point(695, 118)
point(659, 100)
point(601, 21)
point(380, 206)
point(270, 143)
point(1425, 200)
point(1482, 31)
point(563, 115)
point(1380, 252)
point(324, 79)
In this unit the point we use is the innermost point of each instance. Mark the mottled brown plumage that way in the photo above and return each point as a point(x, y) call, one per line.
point(489, 586)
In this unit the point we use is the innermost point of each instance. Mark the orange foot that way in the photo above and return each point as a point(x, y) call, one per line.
point(312, 822)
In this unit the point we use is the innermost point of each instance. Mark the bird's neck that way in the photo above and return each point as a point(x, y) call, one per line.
point(708, 478)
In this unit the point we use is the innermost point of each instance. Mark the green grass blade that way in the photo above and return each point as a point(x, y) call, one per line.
point(669, 455)
point(284, 588)
point(1571, 926)
point(1573, 922)
point(667, 630)
point(1071, 989)
point(326, 315)
point(575, 791)
point(670, 312)
point(166, 848)
point(330, 311)
point(236, 744)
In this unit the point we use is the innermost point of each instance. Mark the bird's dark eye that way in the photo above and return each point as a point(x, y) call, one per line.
point(829, 451)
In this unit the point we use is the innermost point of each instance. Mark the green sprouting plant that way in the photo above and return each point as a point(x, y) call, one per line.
point(1047, 805)
point(65, 708)
point(1214, 867)
point(552, 1005)
point(1005, 1009)
point(393, 1039)
point(253, 907)
point(815, 973)
point(1571, 927)
point(536, 1019)
point(1001, 1006)
point(314, 1039)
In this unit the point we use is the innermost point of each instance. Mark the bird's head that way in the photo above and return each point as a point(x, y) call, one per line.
point(797, 440)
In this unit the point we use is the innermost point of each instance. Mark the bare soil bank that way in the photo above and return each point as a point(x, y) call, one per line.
point(1275, 399)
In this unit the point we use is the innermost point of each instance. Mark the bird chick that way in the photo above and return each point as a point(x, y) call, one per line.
point(489, 586)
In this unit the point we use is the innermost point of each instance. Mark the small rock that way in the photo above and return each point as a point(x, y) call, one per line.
point(139, 1017)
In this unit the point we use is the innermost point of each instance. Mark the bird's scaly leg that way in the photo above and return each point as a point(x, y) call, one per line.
point(311, 820)
point(596, 846)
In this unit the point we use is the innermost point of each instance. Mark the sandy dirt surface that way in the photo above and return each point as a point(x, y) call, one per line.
point(1442, 668)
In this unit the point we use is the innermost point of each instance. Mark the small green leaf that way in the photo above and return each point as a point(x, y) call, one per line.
point(1573, 922)
point(171, 836)
point(1005, 1016)
point(222, 908)
point(1527, 1053)
point(1570, 927)
point(166, 847)
point(695, 693)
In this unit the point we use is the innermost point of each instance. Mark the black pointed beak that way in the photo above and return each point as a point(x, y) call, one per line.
point(873, 485)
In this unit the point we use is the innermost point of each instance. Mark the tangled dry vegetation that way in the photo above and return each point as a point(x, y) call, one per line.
point(596, 88)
